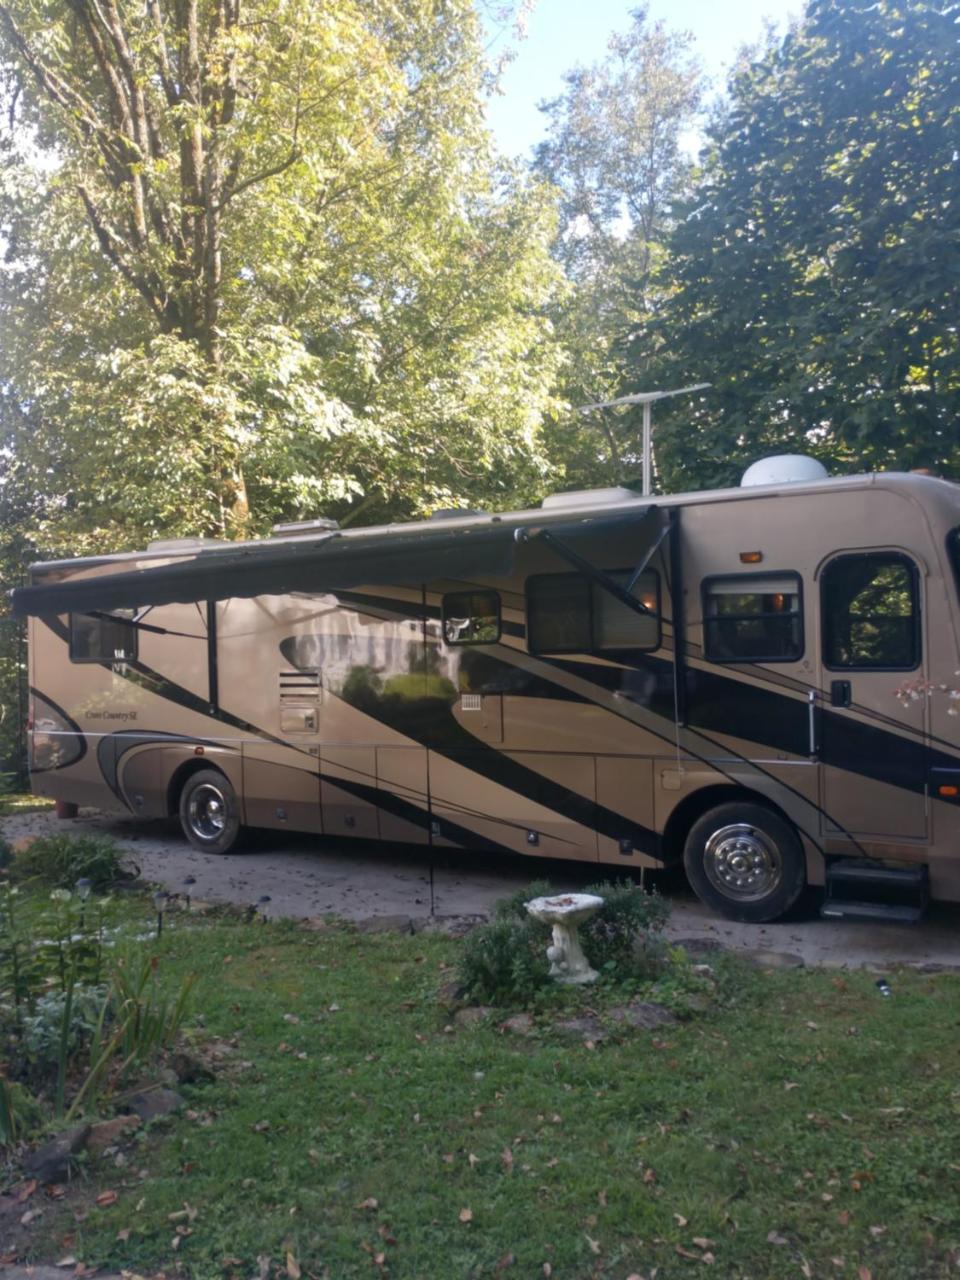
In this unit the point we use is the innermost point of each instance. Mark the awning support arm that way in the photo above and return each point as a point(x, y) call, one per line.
point(603, 580)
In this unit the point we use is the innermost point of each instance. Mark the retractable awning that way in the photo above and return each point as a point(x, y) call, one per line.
point(328, 562)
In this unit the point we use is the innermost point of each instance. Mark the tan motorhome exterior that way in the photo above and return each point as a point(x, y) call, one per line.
point(710, 677)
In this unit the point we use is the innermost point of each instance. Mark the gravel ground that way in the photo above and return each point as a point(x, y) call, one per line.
point(308, 876)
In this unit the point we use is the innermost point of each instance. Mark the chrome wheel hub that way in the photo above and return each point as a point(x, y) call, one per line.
point(742, 862)
point(207, 812)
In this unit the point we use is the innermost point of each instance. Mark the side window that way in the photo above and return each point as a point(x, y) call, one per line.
point(871, 612)
point(471, 617)
point(568, 613)
point(105, 637)
point(753, 618)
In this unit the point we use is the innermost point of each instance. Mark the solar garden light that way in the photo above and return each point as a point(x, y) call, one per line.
point(83, 887)
point(188, 883)
point(261, 907)
point(160, 900)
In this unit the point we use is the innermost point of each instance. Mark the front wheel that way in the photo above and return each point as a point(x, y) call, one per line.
point(745, 862)
point(210, 812)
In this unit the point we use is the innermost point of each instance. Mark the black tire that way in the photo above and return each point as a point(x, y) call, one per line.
point(745, 862)
point(210, 812)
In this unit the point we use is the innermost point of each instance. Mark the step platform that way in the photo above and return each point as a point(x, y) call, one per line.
point(862, 889)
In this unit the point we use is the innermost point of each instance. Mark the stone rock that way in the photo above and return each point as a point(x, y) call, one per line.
point(473, 1014)
point(520, 1024)
point(151, 1104)
point(697, 946)
point(52, 1161)
point(452, 926)
point(386, 924)
point(586, 1027)
point(761, 959)
point(643, 1014)
point(450, 994)
point(190, 1069)
point(109, 1132)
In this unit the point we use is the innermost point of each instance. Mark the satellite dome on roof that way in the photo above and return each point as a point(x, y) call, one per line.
point(783, 468)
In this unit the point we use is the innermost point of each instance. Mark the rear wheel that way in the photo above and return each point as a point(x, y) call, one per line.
point(210, 812)
point(745, 862)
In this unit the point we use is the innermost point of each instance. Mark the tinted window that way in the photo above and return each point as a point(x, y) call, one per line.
point(102, 637)
point(753, 618)
point(569, 613)
point(471, 617)
point(870, 612)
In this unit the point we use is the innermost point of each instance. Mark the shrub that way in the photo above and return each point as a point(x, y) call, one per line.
point(60, 861)
point(504, 961)
point(44, 1035)
point(622, 938)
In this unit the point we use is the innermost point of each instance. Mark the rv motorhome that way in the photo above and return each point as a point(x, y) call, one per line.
point(756, 682)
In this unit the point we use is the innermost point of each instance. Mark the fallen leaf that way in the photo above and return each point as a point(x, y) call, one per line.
point(790, 1084)
point(506, 1159)
point(843, 1217)
point(708, 1258)
point(29, 1216)
point(107, 1198)
point(369, 1203)
point(466, 1215)
point(26, 1191)
point(687, 1253)
point(877, 1232)
point(702, 1242)
point(594, 1244)
point(806, 1270)
point(507, 1260)
point(472, 1160)
point(261, 1126)
point(293, 1267)
point(776, 1238)
point(68, 1261)
point(649, 1176)
point(864, 1273)
point(291, 1017)
point(123, 1234)
point(680, 1219)
point(263, 1265)
point(547, 1270)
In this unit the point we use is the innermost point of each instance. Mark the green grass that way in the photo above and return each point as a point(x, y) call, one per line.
point(804, 1126)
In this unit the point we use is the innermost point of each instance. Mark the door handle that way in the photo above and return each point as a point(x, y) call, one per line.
point(840, 693)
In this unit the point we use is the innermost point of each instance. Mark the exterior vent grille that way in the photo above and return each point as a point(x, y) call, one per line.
point(299, 686)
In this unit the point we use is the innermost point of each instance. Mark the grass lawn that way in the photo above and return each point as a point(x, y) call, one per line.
point(803, 1126)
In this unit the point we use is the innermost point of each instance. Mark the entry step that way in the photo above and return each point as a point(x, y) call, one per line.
point(884, 912)
point(861, 889)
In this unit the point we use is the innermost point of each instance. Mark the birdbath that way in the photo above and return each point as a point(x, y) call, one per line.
point(565, 912)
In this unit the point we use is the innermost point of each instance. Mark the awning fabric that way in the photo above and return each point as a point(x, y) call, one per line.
point(326, 563)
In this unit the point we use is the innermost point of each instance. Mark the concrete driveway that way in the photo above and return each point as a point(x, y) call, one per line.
point(309, 876)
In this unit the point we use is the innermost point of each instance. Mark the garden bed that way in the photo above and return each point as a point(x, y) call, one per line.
point(354, 1120)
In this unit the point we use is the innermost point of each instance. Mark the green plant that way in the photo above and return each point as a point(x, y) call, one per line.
point(53, 1029)
point(621, 939)
point(20, 1113)
point(504, 961)
point(6, 853)
point(60, 861)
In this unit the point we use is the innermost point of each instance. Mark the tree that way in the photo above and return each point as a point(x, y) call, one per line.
point(615, 150)
point(260, 263)
point(817, 265)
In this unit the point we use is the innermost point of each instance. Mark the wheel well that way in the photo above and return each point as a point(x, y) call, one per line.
point(695, 806)
point(179, 781)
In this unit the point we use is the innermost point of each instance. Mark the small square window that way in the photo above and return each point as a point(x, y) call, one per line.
point(471, 617)
point(103, 637)
point(753, 618)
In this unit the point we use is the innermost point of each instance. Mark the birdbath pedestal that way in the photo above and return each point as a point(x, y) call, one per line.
point(565, 912)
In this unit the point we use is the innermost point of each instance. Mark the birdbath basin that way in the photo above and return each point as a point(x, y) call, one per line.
point(565, 912)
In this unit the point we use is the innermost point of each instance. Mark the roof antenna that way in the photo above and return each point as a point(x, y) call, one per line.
point(646, 398)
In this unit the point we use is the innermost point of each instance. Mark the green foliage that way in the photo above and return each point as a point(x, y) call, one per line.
point(60, 861)
point(815, 266)
point(52, 1027)
point(620, 940)
point(505, 961)
point(614, 151)
point(274, 271)
point(20, 1113)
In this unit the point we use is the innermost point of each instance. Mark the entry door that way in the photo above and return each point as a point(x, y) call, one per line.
point(874, 706)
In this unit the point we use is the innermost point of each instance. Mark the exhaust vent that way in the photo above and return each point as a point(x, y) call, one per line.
point(299, 686)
